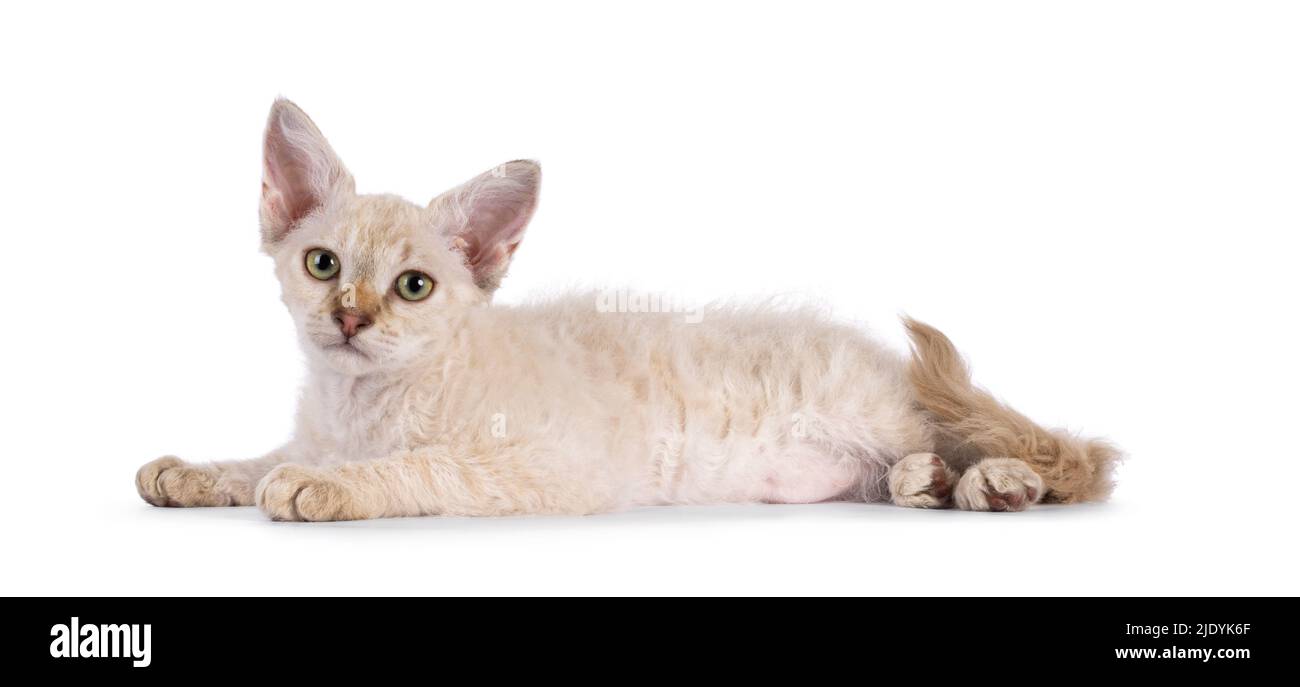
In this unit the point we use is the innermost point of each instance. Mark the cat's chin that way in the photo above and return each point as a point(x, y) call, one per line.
point(346, 358)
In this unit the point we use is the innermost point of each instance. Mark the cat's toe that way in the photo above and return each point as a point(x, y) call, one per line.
point(303, 494)
point(146, 479)
point(999, 484)
point(169, 481)
point(921, 480)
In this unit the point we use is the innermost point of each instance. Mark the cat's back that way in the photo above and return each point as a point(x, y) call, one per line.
point(784, 355)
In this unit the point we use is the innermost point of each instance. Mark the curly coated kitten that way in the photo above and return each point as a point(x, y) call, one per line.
point(425, 399)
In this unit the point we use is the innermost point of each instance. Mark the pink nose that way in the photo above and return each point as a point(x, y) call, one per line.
point(351, 321)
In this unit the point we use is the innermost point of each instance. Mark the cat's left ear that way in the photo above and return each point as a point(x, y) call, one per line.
point(487, 217)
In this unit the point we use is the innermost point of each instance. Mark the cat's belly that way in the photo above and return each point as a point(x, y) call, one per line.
point(820, 479)
point(760, 474)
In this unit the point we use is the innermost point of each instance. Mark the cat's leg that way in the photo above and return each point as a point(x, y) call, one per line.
point(170, 481)
point(998, 484)
point(430, 481)
point(921, 480)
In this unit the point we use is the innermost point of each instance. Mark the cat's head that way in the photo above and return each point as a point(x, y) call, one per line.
point(373, 280)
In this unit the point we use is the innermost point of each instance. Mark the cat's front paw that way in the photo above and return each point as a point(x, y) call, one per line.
point(171, 482)
point(1000, 484)
point(921, 480)
point(304, 494)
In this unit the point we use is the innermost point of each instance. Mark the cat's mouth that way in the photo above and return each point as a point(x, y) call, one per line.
point(346, 348)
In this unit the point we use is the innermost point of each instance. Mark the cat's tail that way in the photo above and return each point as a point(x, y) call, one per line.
point(975, 425)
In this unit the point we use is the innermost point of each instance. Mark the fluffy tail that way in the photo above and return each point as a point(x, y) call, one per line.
point(971, 424)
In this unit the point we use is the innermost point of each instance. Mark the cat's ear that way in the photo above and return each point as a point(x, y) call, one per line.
point(300, 171)
point(487, 217)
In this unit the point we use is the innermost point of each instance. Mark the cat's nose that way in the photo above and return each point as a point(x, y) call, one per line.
point(351, 321)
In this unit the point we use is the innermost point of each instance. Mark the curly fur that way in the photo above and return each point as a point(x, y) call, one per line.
point(454, 406)
point(970, 422)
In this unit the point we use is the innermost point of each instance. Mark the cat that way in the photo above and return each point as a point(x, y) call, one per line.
point(423, 398)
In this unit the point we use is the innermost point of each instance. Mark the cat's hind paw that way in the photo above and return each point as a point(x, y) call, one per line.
point(303, 494)
point(169, 481)
point(921, 480)
point(999, 484)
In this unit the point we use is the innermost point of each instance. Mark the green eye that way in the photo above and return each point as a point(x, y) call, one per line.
point(414, 286)
point(322, 264)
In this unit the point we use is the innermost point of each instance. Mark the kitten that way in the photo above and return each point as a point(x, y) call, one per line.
point(425, 399)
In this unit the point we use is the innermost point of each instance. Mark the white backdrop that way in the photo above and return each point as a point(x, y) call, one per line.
point(1096, 201)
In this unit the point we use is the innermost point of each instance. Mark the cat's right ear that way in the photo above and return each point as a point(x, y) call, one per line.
point(300, 172)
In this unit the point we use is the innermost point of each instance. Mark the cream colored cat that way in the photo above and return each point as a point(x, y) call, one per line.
point(425, 399)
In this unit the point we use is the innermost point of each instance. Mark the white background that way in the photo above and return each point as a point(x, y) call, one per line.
point(1097, 201)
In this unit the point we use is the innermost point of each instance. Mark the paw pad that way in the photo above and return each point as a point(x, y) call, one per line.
point(921, 480)
point(998, 484)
